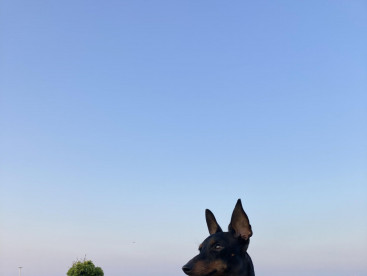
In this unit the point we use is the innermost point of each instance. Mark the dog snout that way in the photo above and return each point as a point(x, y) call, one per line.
point(187, 268)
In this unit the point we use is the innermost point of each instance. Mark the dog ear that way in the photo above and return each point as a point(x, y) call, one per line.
point(213, 226)
point(240, 225)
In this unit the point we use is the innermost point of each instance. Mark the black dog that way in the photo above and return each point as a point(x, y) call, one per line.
point(224, 253)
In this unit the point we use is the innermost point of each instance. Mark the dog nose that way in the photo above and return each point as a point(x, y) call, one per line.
point(186, 269)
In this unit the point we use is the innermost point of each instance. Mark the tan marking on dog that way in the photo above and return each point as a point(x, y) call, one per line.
point(211, 242)
point(199, 268)
point(217, 265)
point(202, 267)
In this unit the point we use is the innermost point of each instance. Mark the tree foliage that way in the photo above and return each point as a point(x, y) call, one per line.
point(84, 268)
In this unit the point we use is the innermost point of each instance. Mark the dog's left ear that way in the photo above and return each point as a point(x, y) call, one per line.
point(240, 224)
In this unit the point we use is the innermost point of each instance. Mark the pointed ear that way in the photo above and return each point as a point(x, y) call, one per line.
point(213, 226)
point(240, 224)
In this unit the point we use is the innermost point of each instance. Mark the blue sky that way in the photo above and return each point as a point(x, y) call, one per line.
point(121, 121)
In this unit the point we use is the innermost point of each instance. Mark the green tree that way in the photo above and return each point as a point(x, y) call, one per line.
point(84, 268)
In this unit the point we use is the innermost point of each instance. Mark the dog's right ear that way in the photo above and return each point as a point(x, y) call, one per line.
point(213, 226)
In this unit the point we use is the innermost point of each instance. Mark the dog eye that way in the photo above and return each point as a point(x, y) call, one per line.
point(217, 246)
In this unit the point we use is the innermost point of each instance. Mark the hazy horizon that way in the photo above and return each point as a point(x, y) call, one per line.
point(122, 121)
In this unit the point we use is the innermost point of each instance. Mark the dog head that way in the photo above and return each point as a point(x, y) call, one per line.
point(223, 253)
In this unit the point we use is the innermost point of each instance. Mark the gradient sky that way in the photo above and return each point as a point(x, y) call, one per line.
point(121, 121)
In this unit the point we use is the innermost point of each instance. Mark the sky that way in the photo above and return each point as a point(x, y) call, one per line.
point(122, 121)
